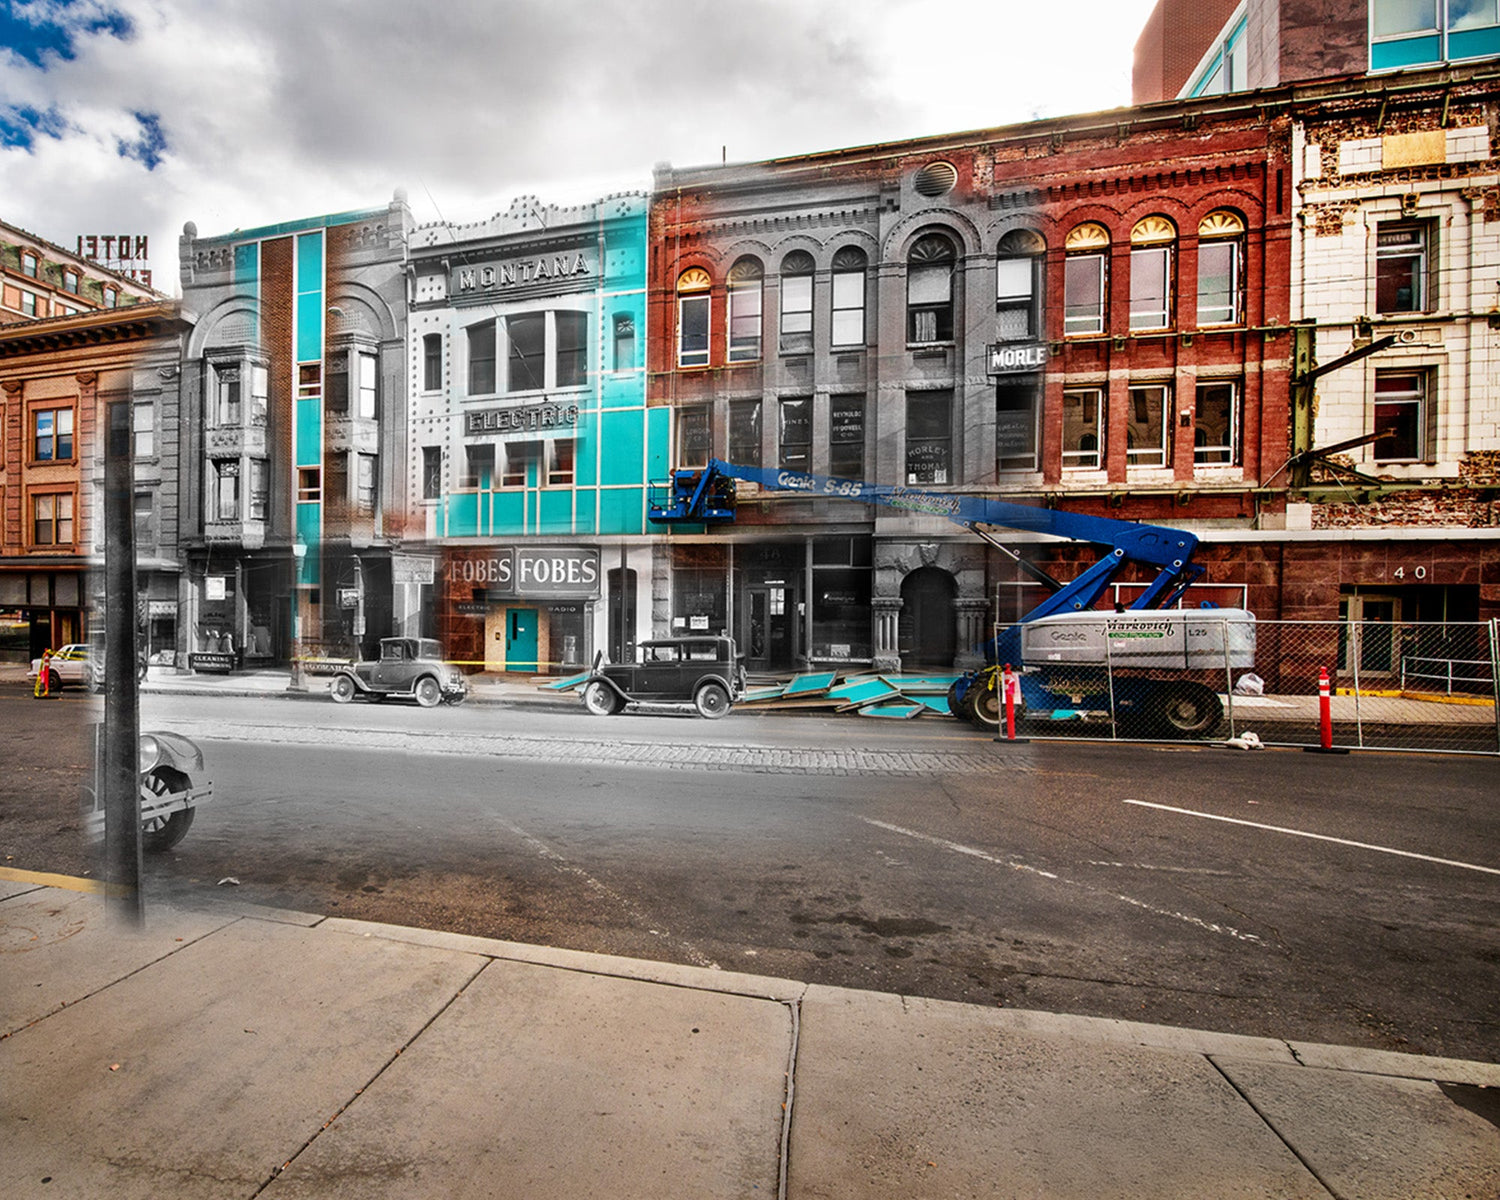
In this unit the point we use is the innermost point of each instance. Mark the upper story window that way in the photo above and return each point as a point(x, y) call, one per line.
point(111, 297)
point(227, 394)
point(29, 265)
point(526, 364)
point(624, 342)
point(1084, 276)
point(143, 430)
point(365, 376)
point(482, 359)
point(432, 472)
point(1151, 243)
point(1216, 425)
point(1404, 416)
point(52, 435)
point(28, 303)
point(693, 317)
point(694, 436)
point(796, 303)
point(432, 362)
point(1148, 426)
point(1402, 266)
point(570, 332)
point(849, 296)
point(1083, 429)
point(744, 310)
point(795, 420)
point(744, 431)
point(1224, 70)
point(929, 290)
point(70, 282)
point(52, 519)
point(1221, 256)
point(1409, 33)
point(1018, 285)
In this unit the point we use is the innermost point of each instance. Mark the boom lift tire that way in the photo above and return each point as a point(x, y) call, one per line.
point(1189, 709)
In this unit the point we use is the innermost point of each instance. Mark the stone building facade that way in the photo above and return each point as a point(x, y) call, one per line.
point(1089, 312)
point(294, 452)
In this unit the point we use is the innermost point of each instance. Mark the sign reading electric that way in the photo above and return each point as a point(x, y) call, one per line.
point(531, 571)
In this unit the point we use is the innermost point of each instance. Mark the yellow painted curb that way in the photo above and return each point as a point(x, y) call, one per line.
point(70, 883)
point(1425, 697)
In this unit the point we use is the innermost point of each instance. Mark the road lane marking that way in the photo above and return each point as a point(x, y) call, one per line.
point(1320, 837)
point(1016, 864)
point(633, 911)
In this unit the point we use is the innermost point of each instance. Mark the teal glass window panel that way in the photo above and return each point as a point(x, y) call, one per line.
point(1474, 43)
point(1391, 17)
point(1409, 52)
point(508, 512)
point(555, 511)
point(309, 322)
point(310, 533)
point(1472, 14)
point(622, 510)
point(247, 262)
point(658, 442)
point(585, 498)
point(309, 431)
point(620, 439)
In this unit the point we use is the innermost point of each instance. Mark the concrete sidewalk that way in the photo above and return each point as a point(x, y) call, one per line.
point(232, 1052)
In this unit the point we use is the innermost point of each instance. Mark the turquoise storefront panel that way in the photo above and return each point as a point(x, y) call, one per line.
point(310, 534)
point(555, 510)
point(1387, 56)
point(584, 511)
point(1474, 43)
point(508, 512)
point(246, 263)
point(658, 435)
point(622, 510)
point(587, 448)
point(622, 437)
point(309, 319)
point(463, 515)
point(309, 431)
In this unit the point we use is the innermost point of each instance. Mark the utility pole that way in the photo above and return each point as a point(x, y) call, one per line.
point(120, 781)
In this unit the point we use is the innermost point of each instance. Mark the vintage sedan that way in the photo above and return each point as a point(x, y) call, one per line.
point(702, 671)
point(408, 668)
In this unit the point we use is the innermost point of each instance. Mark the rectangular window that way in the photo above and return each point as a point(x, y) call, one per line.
point(1017, 410)
point(432, 362)
point(364, 484)
point(145, 524)
point(527, 363)
point(432, 472)
point(482, 359)
point(1151, 287)
point(849, 308)
point(520, 463)
point(1146, 427)
point(260, 386)
point(744, 323)
point(1218, 283)
point(1401, 267)
point(795, 420)
point(692, 331)
point(929, 303)
point(846, 436)
point(28, 303)
point(28, 265)
point(1408, 33)
point(1402, 416)
point(744, 432)
point(572, 349)
point(929, 437)
point(143, 431)
point(479, 466)
point(111, 297)
point(1083, 294)
point(226, 485)
point(1015, 298)
point(1216, 425)
point(1083, 429)
point(228, 381)
point(52, 435)
point(796, 314)
point(309, 485)
point(52, 519)
point(260, 492)
point(309, 380)
point(624, 342)
point(560, 467)
point(694, 437)
point(70, 282)
point(364, 400)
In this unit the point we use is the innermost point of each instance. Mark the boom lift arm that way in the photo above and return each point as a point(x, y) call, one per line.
point(707, 496)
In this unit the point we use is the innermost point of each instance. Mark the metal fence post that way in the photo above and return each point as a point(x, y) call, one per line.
point(1358, 650)
point(1495, 675)
point(1228, 675)
point(1109, 675)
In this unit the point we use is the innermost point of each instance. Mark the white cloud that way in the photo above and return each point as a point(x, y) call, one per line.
point(275, 109)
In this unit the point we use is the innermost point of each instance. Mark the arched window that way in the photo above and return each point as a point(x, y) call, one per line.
point(693, 317)
point(1018, 286)
point(1151, 243)
point(796, 302)
point(929, 290)
point(849, 296)
point(1221, 257)
point(1084, 277)
point(744, 310)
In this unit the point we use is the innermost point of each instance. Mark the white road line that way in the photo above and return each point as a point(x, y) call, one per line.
point(1321, 837)
point(1016, 865)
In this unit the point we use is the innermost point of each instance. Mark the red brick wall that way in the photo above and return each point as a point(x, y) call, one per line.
point(276, 315)
point(1175, 37)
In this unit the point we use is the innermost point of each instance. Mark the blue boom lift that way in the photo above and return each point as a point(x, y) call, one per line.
point(1131, 662)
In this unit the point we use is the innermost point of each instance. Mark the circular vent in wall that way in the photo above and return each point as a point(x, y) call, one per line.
point(936, 179)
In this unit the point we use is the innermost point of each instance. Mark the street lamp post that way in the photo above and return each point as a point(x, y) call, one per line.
point(299, 554)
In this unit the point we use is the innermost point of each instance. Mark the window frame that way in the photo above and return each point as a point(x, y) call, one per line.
point(1152, 241)
point(690, 418)
point(1083, 459)
point(794, 415)
point(56, 521)
point(622, 342)
point(432, 362)
point(843, 462)
point(917, 402)
point(795, 326)
point(478, 373)
point(745, 306)
point(571, 351)
point(931, 255)
point(1430, 45)
point(525, 356)
point(30, 264)
point(143, 440)
point(742, 446)
point(695, 297)
point(366, 384)
point(226, 474)
point(845, 271)
point(1422, 259)
point(1020, 246)
point(58, 438)
point(1202, 452)
point(366, 484)
point(1222, 229)
point(1032, 461)
point(432, 473)
point(562, 462)
point(515, 462)
point(477, 457)
point(1421, 402)
point(1155, 456)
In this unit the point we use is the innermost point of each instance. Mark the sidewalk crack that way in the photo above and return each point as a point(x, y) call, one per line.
point(794, 1010)
point(1291, 1149)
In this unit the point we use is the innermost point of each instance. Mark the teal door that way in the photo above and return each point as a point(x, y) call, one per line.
point(520, 640)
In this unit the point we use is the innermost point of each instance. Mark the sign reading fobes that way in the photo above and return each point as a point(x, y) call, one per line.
point(1013, 359)
point(531, 571)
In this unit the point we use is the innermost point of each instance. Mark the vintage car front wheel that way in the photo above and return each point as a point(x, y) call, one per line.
point(162, 833)
point(601, 700)
point(428, 692)
point(712, 700)
point(341, 689)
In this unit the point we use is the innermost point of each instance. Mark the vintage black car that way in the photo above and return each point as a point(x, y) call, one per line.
point(412, 668)
point(702, 671)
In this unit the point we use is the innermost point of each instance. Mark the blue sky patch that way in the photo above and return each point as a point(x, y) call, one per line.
point(149, 147)
point(20, 126)
point(37, 32)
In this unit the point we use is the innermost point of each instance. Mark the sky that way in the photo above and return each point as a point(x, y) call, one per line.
point(136, 116)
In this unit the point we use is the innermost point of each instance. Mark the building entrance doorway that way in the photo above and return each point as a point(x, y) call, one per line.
point(927, 632)
point(1369, 633)
point(769, 628)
